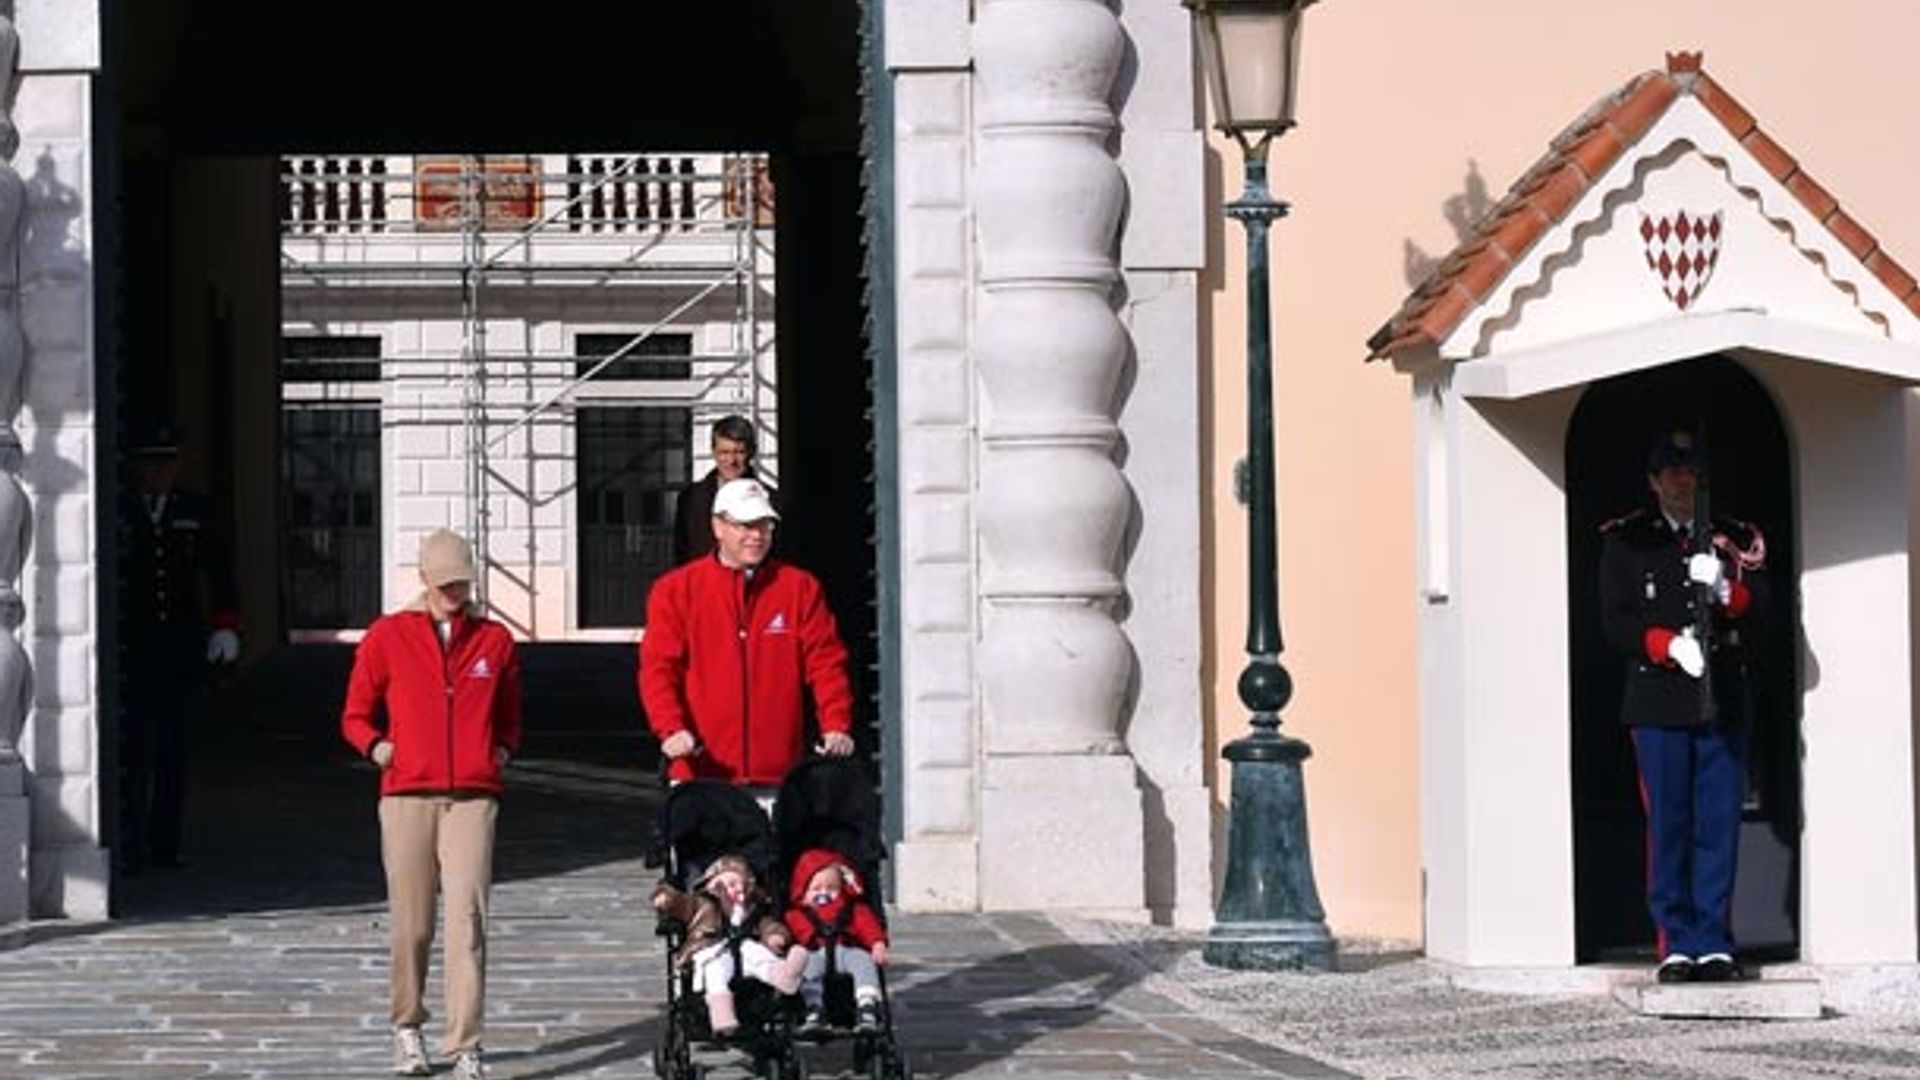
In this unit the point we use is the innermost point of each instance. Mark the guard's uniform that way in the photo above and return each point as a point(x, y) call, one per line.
point(1692, 771)
point(174, 574)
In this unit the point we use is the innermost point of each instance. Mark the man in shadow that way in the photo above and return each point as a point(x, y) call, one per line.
point(179, 620)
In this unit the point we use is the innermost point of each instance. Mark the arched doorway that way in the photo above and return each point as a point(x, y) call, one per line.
point(1752, 479)
point(198, 117)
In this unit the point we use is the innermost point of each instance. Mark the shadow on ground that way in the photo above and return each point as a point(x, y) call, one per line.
point(281, 812)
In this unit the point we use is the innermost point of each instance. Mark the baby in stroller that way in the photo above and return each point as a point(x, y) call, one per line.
point(835, 929)
point(826, 820)
point(727, 912)
point(728, 979)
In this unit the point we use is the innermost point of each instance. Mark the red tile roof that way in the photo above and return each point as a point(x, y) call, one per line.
point(1574, 160)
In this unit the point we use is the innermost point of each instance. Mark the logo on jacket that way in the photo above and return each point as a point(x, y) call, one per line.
point(480, 669)
point(777, 624)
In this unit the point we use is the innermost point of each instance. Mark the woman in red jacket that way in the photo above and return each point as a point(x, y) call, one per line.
point(434, 703)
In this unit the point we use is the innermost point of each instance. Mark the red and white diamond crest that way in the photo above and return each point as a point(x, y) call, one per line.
point(1682, 250)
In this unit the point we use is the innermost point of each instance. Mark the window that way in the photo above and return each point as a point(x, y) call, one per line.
point(330, 484)
point(633, 462)
point(657, 356)
point(330, 359)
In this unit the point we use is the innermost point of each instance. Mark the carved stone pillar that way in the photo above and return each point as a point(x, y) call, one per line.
point(16, 515)
point(1061, 820)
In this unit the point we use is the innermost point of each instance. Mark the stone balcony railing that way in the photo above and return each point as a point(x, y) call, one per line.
point(506, 193)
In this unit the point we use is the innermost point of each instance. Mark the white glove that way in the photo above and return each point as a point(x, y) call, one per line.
point(382, 753)
point(1684, 650)
point(1704, 569)
point(836, 744)
point(679, 744)
point(223, 647)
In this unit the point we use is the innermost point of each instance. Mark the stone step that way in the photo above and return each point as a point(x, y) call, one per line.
point(1754, 999)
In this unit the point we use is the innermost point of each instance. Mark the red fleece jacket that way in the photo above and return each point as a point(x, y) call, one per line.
point(446, 711)
point(862, 927)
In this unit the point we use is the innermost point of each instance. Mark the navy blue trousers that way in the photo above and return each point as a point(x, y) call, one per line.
point(1692, 784)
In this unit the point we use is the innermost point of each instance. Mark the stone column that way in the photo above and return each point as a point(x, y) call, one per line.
point(1061, 820)
point(16, 513)
point(929, 60)
point(50, 404)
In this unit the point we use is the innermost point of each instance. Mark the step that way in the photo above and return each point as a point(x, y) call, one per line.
point(1753, 999)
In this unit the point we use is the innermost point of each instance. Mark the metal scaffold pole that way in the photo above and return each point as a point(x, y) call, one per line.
point(473, 359)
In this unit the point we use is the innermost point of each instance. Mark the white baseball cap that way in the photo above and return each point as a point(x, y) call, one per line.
point(744, 501)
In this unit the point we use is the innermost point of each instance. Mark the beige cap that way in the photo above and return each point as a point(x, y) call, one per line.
point(445, 558)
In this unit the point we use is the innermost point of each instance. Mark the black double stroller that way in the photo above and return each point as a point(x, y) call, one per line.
point(822, 803)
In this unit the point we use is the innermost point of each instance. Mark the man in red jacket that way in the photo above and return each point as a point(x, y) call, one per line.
point(733, 642)
point(434, 703)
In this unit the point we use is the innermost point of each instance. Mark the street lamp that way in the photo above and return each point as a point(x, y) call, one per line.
point(1269, 915)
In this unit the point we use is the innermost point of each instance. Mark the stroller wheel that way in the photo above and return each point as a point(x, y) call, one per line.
point(887, 1063)
point(784, 1068)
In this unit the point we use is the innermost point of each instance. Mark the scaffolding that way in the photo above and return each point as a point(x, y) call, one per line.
point(685, 238)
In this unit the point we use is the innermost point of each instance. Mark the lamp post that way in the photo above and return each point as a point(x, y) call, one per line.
point(1269, 915)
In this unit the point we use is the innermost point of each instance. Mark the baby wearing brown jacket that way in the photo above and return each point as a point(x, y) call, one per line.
point(727, 895)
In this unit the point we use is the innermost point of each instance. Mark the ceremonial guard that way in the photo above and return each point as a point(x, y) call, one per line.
point(179, 618)
point(1680, 599)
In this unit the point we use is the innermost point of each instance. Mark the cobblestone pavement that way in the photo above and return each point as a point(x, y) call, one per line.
point(266, 958)
point(1394, 1016)
point(574, 991)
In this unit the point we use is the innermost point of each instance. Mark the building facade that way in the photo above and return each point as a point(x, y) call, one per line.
point(1062, 376)
point(531, 346)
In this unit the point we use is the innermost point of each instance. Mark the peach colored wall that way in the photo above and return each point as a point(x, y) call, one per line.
point(1398, 97)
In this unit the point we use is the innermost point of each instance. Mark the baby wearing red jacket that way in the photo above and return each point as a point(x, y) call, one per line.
point(829, 912)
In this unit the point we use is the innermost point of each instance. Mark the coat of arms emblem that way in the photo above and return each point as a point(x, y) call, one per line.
point(1682, 249)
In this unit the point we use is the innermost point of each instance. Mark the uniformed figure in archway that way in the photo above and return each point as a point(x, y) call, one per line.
point(179, 618)
point(1678, 599)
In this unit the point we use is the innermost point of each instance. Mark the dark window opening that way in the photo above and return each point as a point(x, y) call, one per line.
point(330, 359)
point(633, 461)
point(330, 479)
point(655, 357)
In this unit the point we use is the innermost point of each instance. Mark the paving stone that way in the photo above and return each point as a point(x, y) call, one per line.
point(1772, 999)
point(234, 969)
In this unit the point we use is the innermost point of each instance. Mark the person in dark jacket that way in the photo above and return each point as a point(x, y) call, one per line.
point(180, 619)
point(1686, 701)
point(734, 641)
point(434, 704)
point(734, 448)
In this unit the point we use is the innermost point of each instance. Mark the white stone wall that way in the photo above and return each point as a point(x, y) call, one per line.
point(928, 55)
point(1048, 432)
point(53, 113)
point(1162, 252)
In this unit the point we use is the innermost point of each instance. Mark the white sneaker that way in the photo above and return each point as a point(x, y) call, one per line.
point(410, 1052)
point(467, 1066)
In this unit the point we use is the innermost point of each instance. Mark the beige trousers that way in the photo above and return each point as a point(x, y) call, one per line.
point(440, 843)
